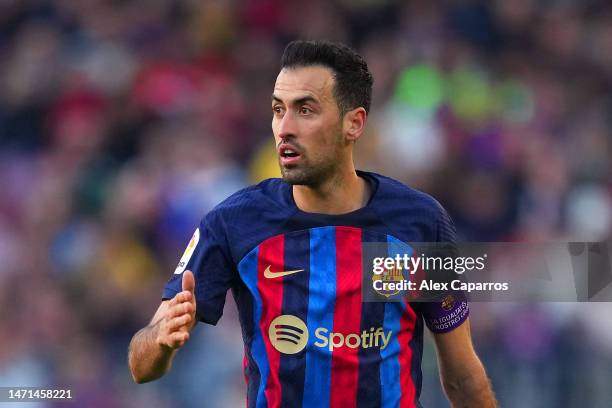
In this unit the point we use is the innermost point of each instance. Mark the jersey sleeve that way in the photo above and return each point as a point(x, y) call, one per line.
point(207, 256)
point(452, 309)
point(447, 314)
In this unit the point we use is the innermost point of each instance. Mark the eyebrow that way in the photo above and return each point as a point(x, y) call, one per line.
point(298, 101)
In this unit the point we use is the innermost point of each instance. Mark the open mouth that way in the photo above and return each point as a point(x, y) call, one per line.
point(289, 155)
point(288, 152)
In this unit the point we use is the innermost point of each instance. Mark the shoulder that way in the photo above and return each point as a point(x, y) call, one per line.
point(404, 208)
point(399, 194)
point(253, 201)
point(268, 192)
point(243, 219)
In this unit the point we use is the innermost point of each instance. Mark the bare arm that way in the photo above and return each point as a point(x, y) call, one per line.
point(152, 349)
point(462, 374)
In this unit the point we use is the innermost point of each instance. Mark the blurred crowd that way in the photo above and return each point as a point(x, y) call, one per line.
point(123, 122)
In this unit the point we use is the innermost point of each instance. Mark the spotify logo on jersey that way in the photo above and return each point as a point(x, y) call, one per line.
point(288, 334)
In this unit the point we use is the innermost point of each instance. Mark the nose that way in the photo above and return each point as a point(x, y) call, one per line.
point(286, 126)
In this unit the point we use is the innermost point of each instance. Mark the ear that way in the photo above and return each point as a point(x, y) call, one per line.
point(353, 123)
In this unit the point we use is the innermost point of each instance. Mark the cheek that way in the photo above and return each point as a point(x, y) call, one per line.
point(276, 138)
point(316, 139)
point(275, 134)
point(323, 144)
point(275, 128)
point(321, 131)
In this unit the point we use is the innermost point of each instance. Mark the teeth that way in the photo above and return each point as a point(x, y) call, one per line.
point(289, 151)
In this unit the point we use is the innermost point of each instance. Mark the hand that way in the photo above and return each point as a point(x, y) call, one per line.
point(179, 317)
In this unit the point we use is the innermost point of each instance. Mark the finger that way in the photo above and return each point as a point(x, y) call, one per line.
point(174, 300)
point(188, 282)
point(177, 323)
point(184, 296)
point(181, 309)
point(178, 339)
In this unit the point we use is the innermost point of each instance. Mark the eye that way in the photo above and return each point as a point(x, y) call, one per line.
point(304, 110)
point(277, 109)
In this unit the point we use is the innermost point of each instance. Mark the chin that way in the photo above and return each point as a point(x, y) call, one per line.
point(296, 177)
point(307, 175)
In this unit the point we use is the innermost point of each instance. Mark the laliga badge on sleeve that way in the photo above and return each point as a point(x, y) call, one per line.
point(180, 268)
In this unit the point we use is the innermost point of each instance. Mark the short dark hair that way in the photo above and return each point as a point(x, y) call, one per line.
point(353, 80)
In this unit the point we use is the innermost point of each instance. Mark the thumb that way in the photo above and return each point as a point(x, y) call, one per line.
point(188, 282)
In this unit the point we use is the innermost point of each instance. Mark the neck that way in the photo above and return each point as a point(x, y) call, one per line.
point(343, 193)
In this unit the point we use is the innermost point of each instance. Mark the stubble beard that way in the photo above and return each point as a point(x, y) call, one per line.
point(306, 174)
point(313, 173)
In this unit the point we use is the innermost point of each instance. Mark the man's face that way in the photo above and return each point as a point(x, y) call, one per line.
point(307, 125)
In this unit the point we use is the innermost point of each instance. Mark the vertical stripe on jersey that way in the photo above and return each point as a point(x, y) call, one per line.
point(372, 314)
point(248, 271)
point(295, 303)
point(397, 389)
point(246, 305)
point(416, 345)
point(407, 323)
point(245, 365)
point(347, 318)
point(406, 333)
point(271, 254)
point(322, 286)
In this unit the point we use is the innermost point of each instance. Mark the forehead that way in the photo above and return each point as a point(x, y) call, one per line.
point(298, 82)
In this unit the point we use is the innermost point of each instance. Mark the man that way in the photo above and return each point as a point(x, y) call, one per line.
point(292, 251)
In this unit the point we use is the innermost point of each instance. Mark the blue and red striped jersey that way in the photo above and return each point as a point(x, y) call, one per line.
point(310, 339)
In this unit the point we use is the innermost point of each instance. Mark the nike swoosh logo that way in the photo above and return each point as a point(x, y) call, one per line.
point(271, 275)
